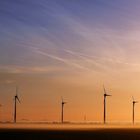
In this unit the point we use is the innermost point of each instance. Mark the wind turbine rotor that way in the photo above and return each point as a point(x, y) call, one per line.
point(134, 101)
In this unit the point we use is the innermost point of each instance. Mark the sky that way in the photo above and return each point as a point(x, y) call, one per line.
point(52, 49)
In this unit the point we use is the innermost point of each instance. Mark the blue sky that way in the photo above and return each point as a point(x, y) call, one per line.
point(61, 25)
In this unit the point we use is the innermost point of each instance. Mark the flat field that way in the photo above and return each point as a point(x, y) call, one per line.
point(68, 132)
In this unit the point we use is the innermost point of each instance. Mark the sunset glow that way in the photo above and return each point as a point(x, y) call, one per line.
point(69, 48)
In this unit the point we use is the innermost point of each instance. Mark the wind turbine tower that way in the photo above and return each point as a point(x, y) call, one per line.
point(62, 113)
point(15, 105)
point(105, 95)
point(133, 115)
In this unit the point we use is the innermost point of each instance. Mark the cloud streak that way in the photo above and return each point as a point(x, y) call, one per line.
point(65, 61)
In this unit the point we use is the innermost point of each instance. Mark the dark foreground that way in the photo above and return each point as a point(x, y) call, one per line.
point(99, 134)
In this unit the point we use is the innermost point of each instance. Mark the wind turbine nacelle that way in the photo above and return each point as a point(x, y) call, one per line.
point(107, 95)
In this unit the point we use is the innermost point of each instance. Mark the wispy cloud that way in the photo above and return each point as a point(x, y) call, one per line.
point(28, 69)
point(65, 61)
point(71, 40)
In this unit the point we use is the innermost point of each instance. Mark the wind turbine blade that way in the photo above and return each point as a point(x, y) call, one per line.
point(104, 89)
point(132, 98)
point(16, 90)
point(18, 99)
point(17, 94)
point(61, 98)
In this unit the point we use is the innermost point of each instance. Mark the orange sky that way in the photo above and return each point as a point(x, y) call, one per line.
point(40, 97)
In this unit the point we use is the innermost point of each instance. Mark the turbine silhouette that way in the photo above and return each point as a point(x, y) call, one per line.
point(105, 95)
point(62, 113)
point(15, 107)
point(133, 115)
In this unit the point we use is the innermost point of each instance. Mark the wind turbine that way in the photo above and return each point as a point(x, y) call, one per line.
point(62, 113)
point(15, 107)
point(105, 95)
point(133, 115)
